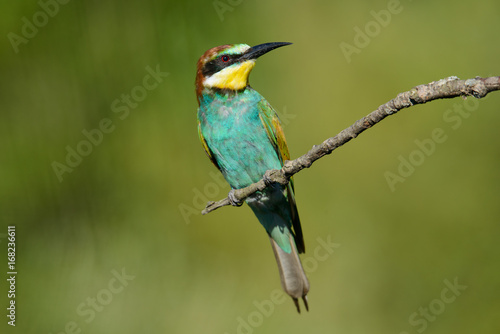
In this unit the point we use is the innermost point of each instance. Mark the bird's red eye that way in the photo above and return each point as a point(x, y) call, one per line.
point(225, 58)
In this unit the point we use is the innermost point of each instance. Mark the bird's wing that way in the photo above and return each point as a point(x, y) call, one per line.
point(272, 124)
point(206, 148)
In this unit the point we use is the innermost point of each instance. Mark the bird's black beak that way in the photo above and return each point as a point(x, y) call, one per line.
point(256, 51)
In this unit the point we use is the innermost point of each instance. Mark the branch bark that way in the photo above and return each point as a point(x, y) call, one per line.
point(443, 89)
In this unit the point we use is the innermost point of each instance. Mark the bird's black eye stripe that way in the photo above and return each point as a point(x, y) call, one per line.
point(210, 68)
point(219, 63)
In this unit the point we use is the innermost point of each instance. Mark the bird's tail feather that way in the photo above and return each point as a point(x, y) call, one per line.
point(293, 277)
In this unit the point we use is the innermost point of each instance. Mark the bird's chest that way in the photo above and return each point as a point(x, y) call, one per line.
point(238, 140)
point(233, 122)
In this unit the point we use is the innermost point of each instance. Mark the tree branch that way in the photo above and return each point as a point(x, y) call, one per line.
point(443, 89)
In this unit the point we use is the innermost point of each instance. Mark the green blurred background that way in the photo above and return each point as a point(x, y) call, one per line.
point(133, 203)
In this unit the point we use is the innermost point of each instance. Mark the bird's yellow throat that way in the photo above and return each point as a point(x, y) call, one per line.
point(234, 77)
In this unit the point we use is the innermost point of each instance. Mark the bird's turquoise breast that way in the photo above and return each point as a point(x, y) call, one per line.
point(237, 137)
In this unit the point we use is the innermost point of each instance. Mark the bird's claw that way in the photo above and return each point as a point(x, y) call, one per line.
point(233, 200)
point(267, 177)
point(274, 176)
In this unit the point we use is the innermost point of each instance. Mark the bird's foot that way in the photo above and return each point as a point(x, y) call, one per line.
point(233, 200)
point(274, 176)
point(267, 177)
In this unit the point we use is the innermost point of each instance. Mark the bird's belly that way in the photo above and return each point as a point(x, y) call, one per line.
point(244, 152)
point(246, 156)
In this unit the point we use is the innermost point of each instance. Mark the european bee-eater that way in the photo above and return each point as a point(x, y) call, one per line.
point(242, 135)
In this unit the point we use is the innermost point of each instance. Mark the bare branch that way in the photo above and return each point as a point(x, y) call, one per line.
point(443, 89)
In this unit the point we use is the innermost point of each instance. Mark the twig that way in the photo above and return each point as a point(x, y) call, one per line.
point(443, 89)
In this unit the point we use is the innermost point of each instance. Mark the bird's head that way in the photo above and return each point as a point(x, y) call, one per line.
point(227, 67)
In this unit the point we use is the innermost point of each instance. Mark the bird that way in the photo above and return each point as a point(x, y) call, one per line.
point(242, 135)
